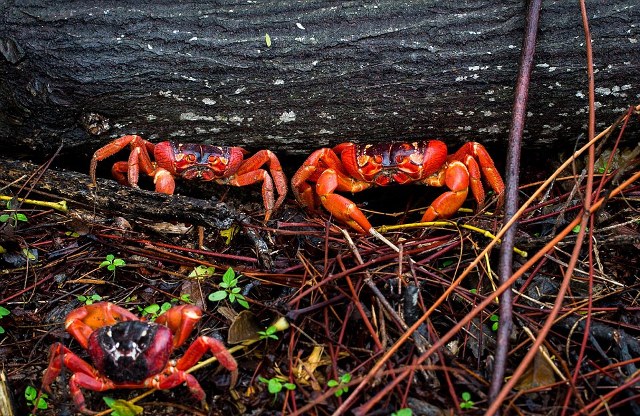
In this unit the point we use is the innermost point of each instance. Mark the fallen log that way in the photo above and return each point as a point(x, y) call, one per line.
point(292, 76)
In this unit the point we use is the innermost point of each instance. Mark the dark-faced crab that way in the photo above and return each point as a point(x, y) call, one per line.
point(129, 353)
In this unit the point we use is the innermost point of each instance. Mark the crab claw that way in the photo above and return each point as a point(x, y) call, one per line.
point(456, 178)
point(340, 207)
point(82, 322)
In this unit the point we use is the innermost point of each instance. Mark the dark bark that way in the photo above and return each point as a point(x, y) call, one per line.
point(345, 71)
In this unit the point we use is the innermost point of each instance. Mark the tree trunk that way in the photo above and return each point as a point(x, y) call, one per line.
point(293, 76)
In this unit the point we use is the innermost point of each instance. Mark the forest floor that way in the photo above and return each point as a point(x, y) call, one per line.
point(332, 319)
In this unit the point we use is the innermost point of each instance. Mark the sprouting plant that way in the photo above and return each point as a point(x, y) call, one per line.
point(31, 394)
point(111, 263)
point(494, 318)
point(229, 289)
point(275, 385)
point(403, 412)
point(269, 333)
point(13, 217)
point(340, 384)
point(466, 402)
point(3, 312)
point(185, 298)
point(88, 300)
point(154, 310)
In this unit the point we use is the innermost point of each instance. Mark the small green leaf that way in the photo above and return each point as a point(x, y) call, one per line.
point(4, 217)
point(229, 275)
point(119, 262)
point(4, 311)
point(1, 330)
point(110, 258)
point(289, 386)
point(576, 229)
point(333, 383)
point(30, 393)
point(466, 396)
point(151, 309)
point(274, 386)
point(243, 302)
point(42, 403)
point(267, 39)
point(217, 296)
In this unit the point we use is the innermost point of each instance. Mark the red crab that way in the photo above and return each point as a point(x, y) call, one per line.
point(129, 353)
point(222, 164)
point(355, 167)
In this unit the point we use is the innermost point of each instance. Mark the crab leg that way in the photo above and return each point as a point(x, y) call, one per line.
point(114, 147)
point(177, 378)
point(199, 347)
point(309, 172)
point(476, 158)
point(250, 173)
point(83, 375)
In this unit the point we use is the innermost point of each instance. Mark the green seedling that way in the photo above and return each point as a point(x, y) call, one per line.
point(466, 402)
point(3, 312)
point(184, 298)
point(31, 395)
point(89, 300)
point(340, 384)
point(229, 290)
point(12, 217)
point(275, 385)
point(403, 412)
point(494, 318)
point(269, 333)
point(154, 310)
point(111, 263)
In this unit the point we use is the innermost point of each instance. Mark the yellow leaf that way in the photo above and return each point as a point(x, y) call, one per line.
point(229, 233)
point(267, 39)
